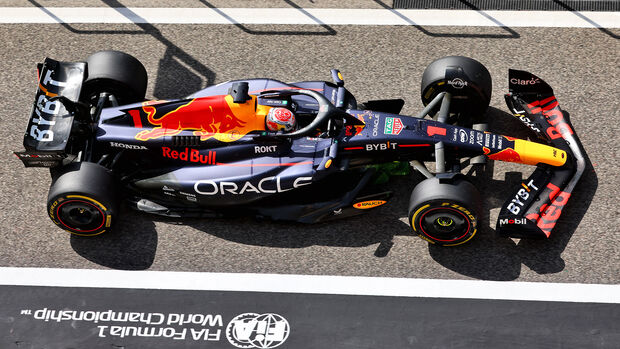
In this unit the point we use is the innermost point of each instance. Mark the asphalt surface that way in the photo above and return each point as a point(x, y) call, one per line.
point(377, 62)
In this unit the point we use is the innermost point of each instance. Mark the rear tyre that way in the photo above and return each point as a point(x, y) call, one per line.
point(444, 214)
point(116, 73)
point(466, 79)
point(83, 199)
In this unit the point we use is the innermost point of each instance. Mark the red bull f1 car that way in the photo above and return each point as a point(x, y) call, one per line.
point(211, 155)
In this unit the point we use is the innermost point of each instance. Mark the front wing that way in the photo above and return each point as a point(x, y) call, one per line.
point(535, 207)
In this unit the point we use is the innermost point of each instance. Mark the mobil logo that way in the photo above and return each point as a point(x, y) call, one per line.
point(206, 116)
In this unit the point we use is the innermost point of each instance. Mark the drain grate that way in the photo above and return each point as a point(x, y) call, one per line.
point(513, 5)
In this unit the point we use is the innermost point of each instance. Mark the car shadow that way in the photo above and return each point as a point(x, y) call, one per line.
point(377, 226)
point(130, 246)
point(327, 30)
point(509, 32)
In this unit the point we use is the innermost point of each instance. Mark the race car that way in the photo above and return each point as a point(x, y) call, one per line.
point(303, 151)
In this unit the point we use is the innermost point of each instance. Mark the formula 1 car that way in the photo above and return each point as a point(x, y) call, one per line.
point(210, 154)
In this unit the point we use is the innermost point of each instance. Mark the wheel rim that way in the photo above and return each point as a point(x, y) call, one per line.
point(81, 216)
point(444, 224)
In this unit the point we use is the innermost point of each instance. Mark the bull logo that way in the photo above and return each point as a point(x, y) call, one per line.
point(207, 117)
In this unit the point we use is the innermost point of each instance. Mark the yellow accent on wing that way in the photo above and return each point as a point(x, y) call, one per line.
point(533, 153)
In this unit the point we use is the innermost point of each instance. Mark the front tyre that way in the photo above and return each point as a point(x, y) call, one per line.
point(83, 200)
point(444, 214)
point(466, 79)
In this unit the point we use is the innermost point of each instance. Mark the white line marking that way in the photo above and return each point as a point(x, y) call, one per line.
point(315, 284)
point(310, 16)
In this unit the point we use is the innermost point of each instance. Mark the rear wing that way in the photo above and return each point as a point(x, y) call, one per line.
point(50, 123)
point(537, 204)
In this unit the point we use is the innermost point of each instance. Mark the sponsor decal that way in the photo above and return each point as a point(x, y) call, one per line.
point(164, 326)
point(251, 330)
point(264, 186)
point(457, 83)
point(381, 146)
point(167, 188)
point(207, 117)
point(549, 214)
point(524, 119)
point(519, 221)
point(532, 81)
point(393, 126)
point(375, 126)
point(479, 138)
point(190, 155)
point(551, 110)
point(247, 330)
point(128, 146)
point(45, 156)
point(463, 136)
point(46, 109)
point(364, 205)
point(472, 136)
point(188, 196)
point(260, 149)
point(517, 203)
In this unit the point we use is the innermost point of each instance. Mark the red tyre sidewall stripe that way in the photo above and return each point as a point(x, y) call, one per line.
point(77, 230)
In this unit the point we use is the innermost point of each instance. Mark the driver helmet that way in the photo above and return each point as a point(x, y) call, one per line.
point(280, 119)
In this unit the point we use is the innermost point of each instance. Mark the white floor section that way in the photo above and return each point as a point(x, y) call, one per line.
point(310, 16)
point(316, 284)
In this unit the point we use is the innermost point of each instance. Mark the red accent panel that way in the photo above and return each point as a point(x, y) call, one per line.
point(354, 148)
point(253, 165)
point(413, 145)
point(432, 130)
point(135, 115)
point(547, 100)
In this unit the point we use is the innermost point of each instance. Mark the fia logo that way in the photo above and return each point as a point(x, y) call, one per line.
point(251, 330)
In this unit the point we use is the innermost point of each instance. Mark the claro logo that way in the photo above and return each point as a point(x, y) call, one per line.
point(251, 330)
point(532, 81)
point(267, 185)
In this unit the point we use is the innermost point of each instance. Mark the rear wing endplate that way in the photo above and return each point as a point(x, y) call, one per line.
point(50, 123)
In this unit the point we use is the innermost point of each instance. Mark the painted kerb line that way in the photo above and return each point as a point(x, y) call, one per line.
point(312, 284)
point(309, 16)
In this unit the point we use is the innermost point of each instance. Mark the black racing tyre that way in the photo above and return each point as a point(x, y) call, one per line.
point(83, 199)
point(466, 79)
point(444, 214)
point(117, 73)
